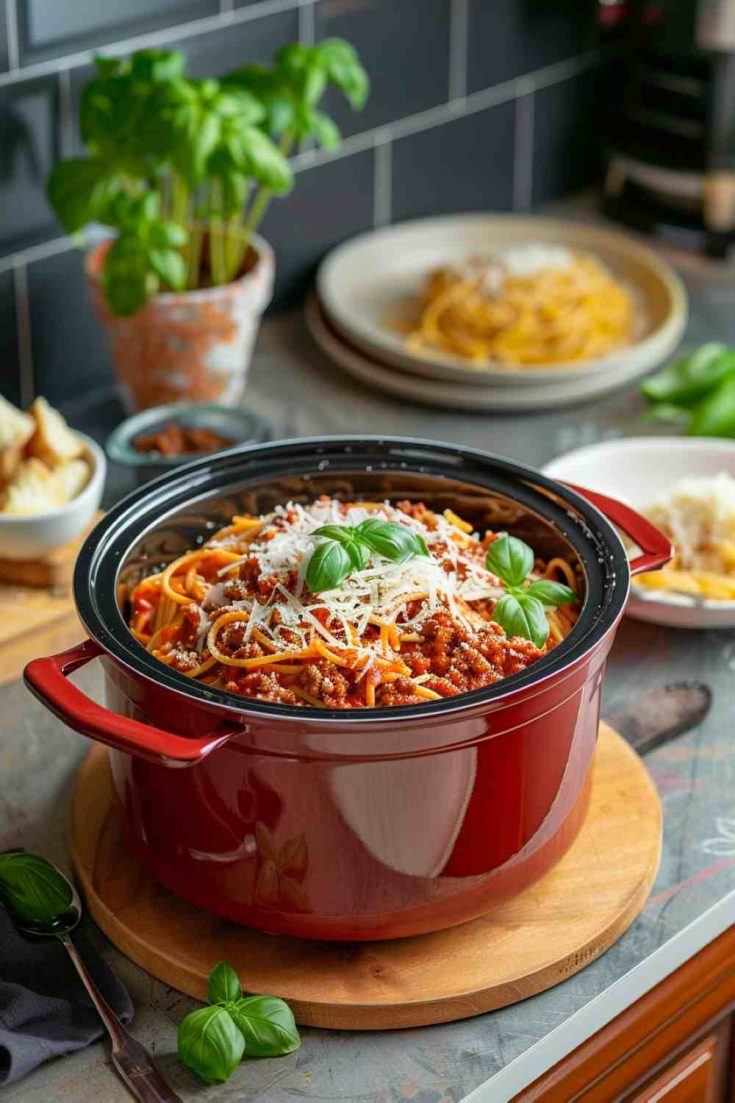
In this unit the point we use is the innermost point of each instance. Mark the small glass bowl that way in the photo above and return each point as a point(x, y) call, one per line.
point(240, 426)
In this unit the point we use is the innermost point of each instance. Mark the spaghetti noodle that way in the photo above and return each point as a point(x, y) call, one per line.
point(237, 613)
point(532, 305)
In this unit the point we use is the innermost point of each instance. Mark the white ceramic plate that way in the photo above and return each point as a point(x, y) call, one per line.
point(637, 470)
point(362, 283)
point(507, 398)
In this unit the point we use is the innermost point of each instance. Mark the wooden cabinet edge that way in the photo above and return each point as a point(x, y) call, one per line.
point(649, 1034)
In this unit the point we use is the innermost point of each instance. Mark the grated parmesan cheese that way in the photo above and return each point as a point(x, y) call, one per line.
point(698, 514)
point(380, 591)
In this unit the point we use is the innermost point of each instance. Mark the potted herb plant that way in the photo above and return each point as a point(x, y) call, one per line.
point(182, 171)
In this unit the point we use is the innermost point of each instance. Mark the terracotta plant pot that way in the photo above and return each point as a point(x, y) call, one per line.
point(189, 346)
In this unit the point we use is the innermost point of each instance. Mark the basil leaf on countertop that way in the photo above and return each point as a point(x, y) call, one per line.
point(32, 890)
point(267, 1025)
point(551, 593)
point(224, 984)
point(715, 414)
point(689, 378)
point(519, 614)
point(510, 559)
point(209, 1043)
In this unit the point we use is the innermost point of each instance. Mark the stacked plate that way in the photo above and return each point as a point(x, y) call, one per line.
point(362, 284)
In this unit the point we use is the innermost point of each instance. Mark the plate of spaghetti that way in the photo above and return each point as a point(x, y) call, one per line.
point(686, 487)
point(349, 605)
point(483, 299)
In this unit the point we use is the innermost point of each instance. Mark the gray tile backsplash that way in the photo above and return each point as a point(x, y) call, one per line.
point(9, 375)
point(508, 38)
point(29, 144)
point(50, 28)
point(403, 45)
point(465, 165)
point(69, 350)
point(447, 127)
point(329, 203)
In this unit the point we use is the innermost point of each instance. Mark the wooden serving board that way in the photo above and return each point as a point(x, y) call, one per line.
point(553, 929)
point(37, 610)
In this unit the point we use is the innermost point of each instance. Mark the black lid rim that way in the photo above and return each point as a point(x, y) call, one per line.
point(588, 530)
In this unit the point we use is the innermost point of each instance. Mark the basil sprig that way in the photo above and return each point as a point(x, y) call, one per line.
point(34, 892)
point(212, 1041)
point(347, 548)
point(520, 611)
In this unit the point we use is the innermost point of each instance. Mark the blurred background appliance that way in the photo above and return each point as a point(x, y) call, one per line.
point(670, 120)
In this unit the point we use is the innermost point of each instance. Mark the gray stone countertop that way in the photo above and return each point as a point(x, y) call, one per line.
point(492, 1057)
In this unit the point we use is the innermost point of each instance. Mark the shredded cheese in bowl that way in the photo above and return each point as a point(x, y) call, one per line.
point(698, 515)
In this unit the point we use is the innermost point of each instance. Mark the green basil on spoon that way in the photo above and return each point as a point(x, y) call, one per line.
point(36, 894)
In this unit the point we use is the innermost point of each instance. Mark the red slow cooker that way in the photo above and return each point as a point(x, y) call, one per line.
point(372, 823)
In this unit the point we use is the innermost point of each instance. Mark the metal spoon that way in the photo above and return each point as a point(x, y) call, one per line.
point(132, 1060)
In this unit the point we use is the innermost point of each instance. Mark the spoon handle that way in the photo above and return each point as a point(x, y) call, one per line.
point(132, 1060)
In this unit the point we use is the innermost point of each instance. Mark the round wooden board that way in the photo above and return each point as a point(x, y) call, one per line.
point(544, 935)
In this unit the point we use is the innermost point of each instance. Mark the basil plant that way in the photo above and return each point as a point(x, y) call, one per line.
point(182, 170)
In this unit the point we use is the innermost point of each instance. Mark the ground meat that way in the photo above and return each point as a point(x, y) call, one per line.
point(326, 681)
point(462, 661)
point(265, 687)
point(184, 661)
point(400, 692)
point(230, 641)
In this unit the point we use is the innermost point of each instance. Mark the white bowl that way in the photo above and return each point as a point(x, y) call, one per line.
point(30, 537)
point(637, 470)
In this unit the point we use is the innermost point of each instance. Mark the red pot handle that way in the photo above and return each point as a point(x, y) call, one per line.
point(657, 549)
point(47, 680)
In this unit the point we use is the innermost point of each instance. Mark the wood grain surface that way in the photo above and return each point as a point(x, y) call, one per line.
point(37, 611)
point(544, 935)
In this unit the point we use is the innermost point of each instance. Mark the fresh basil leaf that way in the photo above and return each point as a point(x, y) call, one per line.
point(170, 266)
point(328, 567)
point(522, 615)
point(267, 1025)
point(391, 539)
point(343, 534)
point(510, 559)
point(551, 593)
point(715, 414)
point(315, 81)
point(345, 70)
point(125, 277)
point(691, 377)
point(33, 891)
point(265, 162)
point(209, 1043)
point(271, 92)
point(170, 235)
point(81, 190)
point(152, 66)
point(324, 130)
point(224, 984)
point(359, 554)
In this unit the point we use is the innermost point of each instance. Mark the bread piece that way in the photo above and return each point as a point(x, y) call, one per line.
point(53, 441)
point(70, 478)
point(31, 490)
point(16, 428)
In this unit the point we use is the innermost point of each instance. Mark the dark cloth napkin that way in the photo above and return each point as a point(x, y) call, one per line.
point(44, 1008)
